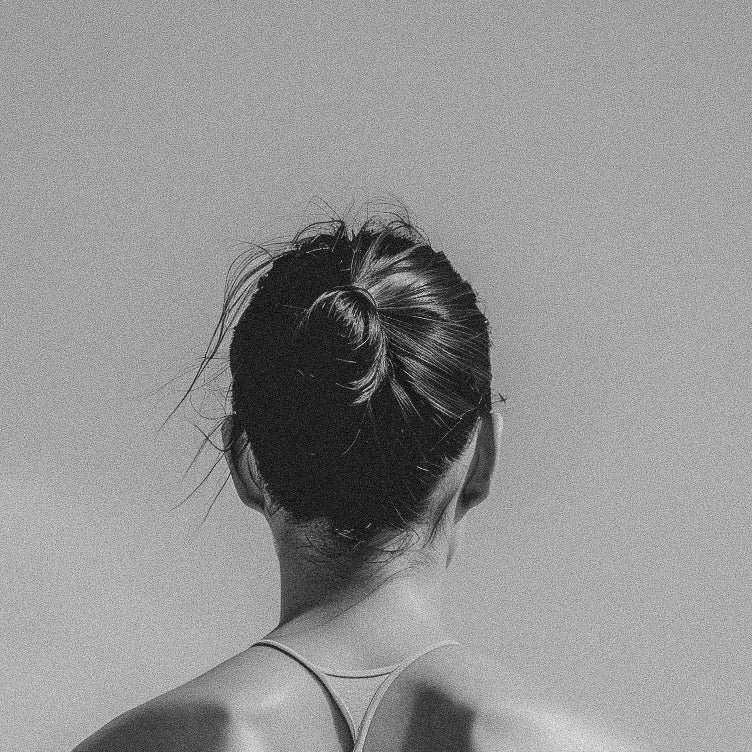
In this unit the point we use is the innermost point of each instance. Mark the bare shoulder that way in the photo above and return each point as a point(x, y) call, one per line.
point(531, 728)
point(510, 714)
point(219, 711)
point(165, 724)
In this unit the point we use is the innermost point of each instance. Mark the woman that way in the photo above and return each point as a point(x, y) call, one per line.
point(362, 431)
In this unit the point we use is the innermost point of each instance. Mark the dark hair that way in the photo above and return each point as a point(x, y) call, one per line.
point(360, 364)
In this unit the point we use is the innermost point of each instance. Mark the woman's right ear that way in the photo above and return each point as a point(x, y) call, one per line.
point(239, 458)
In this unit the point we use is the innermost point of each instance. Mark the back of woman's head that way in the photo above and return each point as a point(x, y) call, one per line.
point(360, 365)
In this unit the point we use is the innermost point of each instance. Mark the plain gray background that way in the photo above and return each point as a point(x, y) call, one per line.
point(587, 167)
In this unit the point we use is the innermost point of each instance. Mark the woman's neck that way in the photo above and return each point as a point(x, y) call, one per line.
point(370, 609)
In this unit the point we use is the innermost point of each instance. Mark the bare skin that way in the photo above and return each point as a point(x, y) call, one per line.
point(260, 701)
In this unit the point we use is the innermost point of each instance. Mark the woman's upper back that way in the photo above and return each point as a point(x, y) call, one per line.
point(451, 698)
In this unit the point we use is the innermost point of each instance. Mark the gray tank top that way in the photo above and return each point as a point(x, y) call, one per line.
point(357, 693)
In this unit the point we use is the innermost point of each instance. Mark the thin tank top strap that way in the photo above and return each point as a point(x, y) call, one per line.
point(319, 674)
point(389, 672)
point(373, 705)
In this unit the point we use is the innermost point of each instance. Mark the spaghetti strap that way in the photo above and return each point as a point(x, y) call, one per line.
point(389, 674)
point(320, 675)
point(373, 705)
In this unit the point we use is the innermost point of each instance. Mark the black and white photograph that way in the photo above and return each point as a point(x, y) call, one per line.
point(376, 376)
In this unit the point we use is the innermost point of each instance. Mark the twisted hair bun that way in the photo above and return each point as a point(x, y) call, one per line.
point(340, 338)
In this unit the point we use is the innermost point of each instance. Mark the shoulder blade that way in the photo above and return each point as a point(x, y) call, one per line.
point(465, 701)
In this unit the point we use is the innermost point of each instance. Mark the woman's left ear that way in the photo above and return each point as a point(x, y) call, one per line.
point(485, 458)
point(239, 460)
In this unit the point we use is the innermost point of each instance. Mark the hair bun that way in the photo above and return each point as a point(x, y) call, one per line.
point(341, 341)
point(363, 292)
